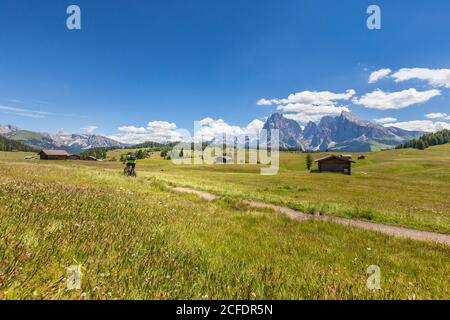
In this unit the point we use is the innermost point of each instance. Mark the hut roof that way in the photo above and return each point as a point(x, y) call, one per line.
point(332, 156)
point(54, 152)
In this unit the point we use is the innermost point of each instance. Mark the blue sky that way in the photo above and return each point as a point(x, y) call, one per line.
point(173, 62)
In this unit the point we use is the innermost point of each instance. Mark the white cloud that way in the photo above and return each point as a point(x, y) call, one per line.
point(89, 129)
point(396, 100)
point(435, 77)
point(379, 74)
point(306, 113)
point(438, 115)
point(264, 102)
point(132, 129)
point(24, 112)
point(385, 120)
point(308, 106)
point(420, 125)
point(163, 131)
point(318, 98)
point(254, 127)
point(157, 131)
point(215, 129)
point(161, 125)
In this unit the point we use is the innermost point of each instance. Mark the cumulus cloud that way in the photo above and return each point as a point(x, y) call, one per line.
point(211, 129)
point(306, 113)
point(379, 74)
point(435, 77)
point(89, 129)
point(264, 102)
point(157, 131)
point(132, 129)
point(437, 115)
point(254, 127)
point(395, 100)
point(162, 131)
point(308, 106)
point(385, 120)
point(420, 125)
point(161, 126)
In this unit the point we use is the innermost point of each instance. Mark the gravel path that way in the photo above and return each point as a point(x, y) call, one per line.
point(204, 195)
point(297, 215)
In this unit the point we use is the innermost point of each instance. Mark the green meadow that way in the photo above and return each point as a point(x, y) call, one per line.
point(406, 187)
point(137, 239)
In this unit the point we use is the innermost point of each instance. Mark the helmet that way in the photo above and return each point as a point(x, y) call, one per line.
point(133, 157)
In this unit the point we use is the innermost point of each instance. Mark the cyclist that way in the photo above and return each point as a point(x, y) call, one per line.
point(130, 162)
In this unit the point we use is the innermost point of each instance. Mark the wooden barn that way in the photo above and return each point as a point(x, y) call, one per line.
point(333, 163)
point(54, 155)
point(224, 159)
point(74, 157)
point(346, 156)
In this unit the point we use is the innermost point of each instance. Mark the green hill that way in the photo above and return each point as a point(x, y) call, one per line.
point(36, 139)
point(428, 140)
point(11, 145)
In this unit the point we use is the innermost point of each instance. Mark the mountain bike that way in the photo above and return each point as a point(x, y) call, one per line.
point(129, 171)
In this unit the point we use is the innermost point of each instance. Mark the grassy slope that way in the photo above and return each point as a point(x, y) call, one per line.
point(401, 187)
point(137, 240)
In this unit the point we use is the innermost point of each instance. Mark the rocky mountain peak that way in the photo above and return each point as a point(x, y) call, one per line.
point(7, 129)
point(346, 132)
point(289, 130)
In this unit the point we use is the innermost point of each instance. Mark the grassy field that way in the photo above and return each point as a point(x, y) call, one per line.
point(406, 187)
point(136, 239)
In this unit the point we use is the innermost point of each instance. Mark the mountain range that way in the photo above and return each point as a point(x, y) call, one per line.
point(346, 132)
point(72, 143)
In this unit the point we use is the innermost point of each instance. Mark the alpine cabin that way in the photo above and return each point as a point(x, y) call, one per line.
point(53, 155)
point(333, 163)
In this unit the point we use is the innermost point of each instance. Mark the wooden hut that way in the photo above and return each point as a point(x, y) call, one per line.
point(53, 155)
point(224, 159)
point(347, 156)
point(333, 163)
point(74, 157)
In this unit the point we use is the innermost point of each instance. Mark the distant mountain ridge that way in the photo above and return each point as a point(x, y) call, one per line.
point(72, 143)
point(346, 132)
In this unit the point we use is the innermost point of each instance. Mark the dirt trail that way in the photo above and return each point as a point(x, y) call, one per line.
point(297, 215)
point(204, 195)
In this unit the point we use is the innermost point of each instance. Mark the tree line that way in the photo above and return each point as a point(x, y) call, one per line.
point(11, 145)
point(98, 153)
point(140, 154)
point(427, 140)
